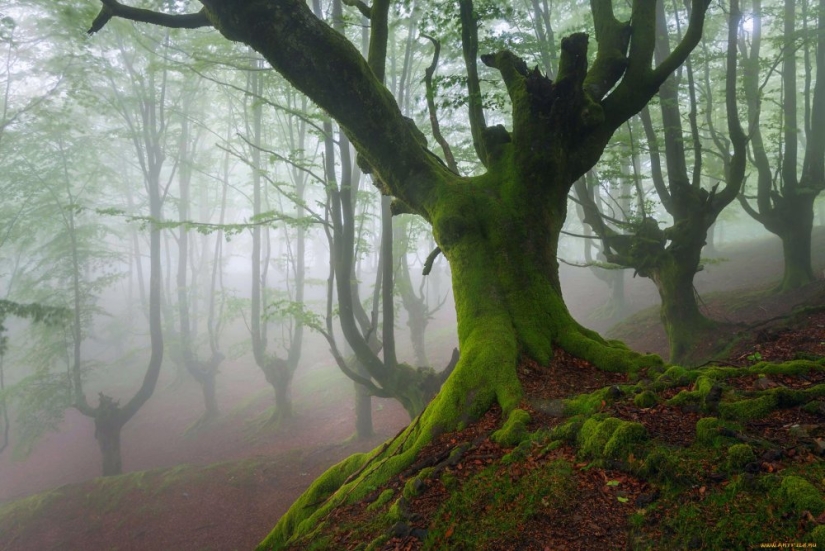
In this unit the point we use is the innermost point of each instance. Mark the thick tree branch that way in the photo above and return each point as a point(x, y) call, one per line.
point(436, 128)
point(813, 165)
point(656, 173)
point(639, 82)
point(611, 61)
point(325, 66)
point(113, 8)
point(738, 161)
point(365, 10)
point(469, 45)
point(693, 34)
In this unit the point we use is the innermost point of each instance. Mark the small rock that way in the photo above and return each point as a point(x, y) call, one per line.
point(419, 533)
point(763, 383)
point(752, 468)
point(819, 446)
point(614, 392)
point(400, 530)
point(403, 507)
point(797, 431)
point(717, 476)
point(713, 397)
point(772, 455)
point(646, 499)
point(553, 408)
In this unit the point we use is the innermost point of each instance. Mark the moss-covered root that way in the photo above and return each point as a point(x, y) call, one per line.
point(486, 374)
point(320, 490)
point(606, 355)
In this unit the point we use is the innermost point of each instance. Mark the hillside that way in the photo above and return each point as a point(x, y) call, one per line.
point(729, 455)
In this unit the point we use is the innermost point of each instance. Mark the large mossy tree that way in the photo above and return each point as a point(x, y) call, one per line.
point(499, 230)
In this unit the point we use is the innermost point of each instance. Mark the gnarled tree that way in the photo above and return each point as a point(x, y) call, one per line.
point(671, 257)
point(498, 230)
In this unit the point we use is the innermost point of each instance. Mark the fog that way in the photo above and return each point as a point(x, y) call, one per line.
point(196, 265)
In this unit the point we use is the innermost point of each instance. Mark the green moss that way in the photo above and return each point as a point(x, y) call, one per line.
point(586, 404)
point(398, 510)
point(377, 543)
point(744, 410)
point(514, 429)
point(296, 521)
point(645, 399)
point(382, 499)
point(802, 495)
point(413, 487)
point(817, 536)
point(794, 367)
point(659, 465)
point(676, 373)
point(739, 455)
point(490, 511)
point(450, 481)
point(736, 516)
point(519, 453)
point(569, 431)
point(610, 437)
point(707, 431)
point(814, 407)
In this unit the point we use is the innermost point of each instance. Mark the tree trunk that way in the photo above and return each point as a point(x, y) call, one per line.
point(283, 397)
point(795, 233)
point(108, 439)
point(210, 400)
point(108, 424)
point(684, 324)
point(363, 407)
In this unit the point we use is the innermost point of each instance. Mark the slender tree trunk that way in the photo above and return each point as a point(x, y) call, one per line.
point(363, 407)
point(107, 432)
point(283, 397)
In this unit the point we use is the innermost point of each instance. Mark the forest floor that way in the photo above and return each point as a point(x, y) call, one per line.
point(224, 488)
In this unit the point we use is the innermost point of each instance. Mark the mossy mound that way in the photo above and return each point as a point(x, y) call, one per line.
point(609, 465)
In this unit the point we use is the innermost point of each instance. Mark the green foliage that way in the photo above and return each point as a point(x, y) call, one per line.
point(754, 358)
point(38, 313)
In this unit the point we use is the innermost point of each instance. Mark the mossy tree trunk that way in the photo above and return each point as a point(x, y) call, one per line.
point(684, 323)
point(796, 248)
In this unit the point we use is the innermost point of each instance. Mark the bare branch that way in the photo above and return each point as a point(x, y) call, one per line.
point(113, 8)
point(428, 84)
point(365, 10)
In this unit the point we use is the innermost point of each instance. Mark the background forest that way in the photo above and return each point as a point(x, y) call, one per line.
point(197, 264)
